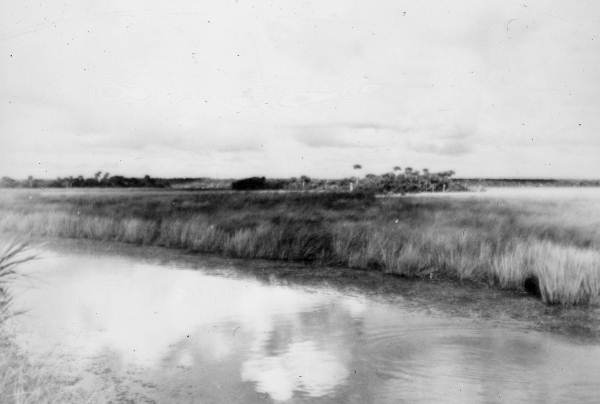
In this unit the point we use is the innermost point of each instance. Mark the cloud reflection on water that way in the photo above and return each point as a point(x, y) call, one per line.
point(147, 318)
point(302, 367)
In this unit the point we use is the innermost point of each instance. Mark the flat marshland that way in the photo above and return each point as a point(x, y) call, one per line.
point(123, 308)
point(549, 246)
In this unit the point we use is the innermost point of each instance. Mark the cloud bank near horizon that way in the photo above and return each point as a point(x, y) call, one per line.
point(236, 88)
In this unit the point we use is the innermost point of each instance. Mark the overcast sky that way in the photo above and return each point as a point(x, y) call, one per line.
point(283, 88)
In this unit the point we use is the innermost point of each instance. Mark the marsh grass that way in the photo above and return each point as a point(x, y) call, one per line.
point(501, 243)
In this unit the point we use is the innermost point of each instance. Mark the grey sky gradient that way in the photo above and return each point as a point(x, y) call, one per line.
point(234, 88)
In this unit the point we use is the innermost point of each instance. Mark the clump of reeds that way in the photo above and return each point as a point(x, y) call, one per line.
point(561, 274)
point(11, 255)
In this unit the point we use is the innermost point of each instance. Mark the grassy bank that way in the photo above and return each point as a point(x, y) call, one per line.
point(549, 247)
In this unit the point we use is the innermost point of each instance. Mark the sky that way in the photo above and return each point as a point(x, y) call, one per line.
point(232, 88)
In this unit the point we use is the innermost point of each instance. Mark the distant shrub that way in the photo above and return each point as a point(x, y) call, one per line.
point(7, 182)
point(249, 184)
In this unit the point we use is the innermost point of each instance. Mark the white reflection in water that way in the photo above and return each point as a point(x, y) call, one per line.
point(302, 367)
point(158, 334)
point(86, 307)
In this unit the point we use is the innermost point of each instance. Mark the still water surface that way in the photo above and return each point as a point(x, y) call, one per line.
point(152, 332)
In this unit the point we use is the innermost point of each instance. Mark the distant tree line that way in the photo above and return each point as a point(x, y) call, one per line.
point(396, 181)
point(98, 180)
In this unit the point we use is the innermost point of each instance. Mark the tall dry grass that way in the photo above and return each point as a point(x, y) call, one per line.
point(498, 242)
point(565, 274)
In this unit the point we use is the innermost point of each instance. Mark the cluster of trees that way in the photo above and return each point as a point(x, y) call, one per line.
point(409, 181)
point(396, 181)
